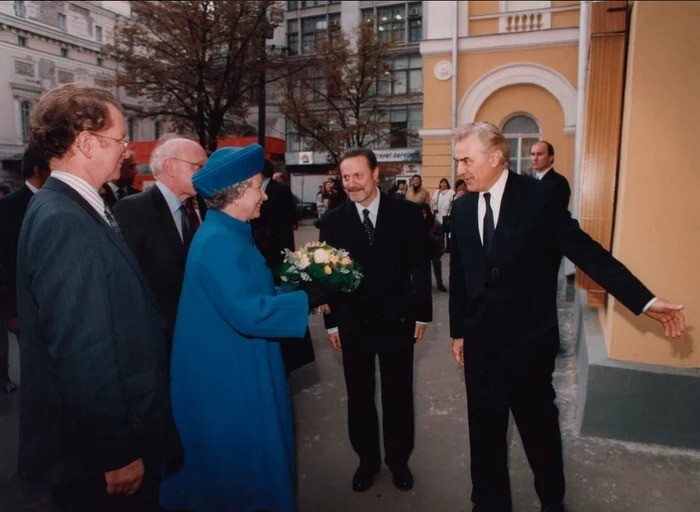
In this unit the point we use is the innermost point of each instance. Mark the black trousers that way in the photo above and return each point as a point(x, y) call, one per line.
point(491, 394)
point(396, 373)
point(437, 270)
point(4, 351)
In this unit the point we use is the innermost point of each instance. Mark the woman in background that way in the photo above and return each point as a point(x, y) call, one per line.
point(435, 249)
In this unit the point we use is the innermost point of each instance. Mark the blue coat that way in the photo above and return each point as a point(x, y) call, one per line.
point(229, 391)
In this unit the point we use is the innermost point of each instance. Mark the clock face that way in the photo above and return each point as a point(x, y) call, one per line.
point(443, 70)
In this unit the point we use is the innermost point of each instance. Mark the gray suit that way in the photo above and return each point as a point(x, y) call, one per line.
point(94, 393)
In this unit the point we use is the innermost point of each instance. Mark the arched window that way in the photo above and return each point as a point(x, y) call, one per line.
point(24, 108)
point(521, 131)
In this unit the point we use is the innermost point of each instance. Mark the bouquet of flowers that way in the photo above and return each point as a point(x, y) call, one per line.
point(318, 262)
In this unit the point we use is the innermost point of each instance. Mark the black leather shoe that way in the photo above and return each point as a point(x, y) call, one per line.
point(403, 479)
point(363, 479)
point(554, 508)
point(9, 387)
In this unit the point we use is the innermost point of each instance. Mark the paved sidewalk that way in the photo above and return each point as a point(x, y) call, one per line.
point(602, 475)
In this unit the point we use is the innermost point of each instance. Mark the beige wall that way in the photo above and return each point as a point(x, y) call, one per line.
point(565, 19)
point(657, 227)
point(522, 98)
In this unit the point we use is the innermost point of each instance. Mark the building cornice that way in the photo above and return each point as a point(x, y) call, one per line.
point(48, 33)
point(494, 42)
point(20, 51)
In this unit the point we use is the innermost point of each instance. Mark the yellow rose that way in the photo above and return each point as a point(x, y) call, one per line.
point(334, 259)
point(327, 270)
point(321, 256)
point(345, 261)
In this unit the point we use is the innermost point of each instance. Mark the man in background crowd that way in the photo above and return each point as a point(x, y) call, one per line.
point(114, 190)
point(159, 224)
point(35, 171)
point(542, 159)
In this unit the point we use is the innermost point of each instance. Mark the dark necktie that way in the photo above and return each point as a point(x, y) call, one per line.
point(369, 227)
point(189, 222)
point(113, 222)
point(489, 226)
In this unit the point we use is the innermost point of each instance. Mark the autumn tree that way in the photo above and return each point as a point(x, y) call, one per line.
point(337, 100)
point(196, 63)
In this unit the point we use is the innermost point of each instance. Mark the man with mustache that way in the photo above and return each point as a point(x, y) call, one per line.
point(383, 318)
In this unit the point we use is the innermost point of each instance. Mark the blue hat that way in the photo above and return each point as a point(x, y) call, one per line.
point(228, 166)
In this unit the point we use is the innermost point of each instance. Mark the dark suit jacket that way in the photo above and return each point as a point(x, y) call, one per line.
point(273, 231)
point(561, 189)
point(504, 305)
point(94, 392)
point(110, 197)
point(12, 208)
point(150, 232)
point(395, 289)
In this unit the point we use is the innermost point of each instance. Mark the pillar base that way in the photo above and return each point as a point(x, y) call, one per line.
point(632, 401)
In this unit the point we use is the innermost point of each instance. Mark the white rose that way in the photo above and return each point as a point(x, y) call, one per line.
point(321, 256)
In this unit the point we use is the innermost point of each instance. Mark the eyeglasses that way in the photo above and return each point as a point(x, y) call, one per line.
point(124, 141)
point(197, 166)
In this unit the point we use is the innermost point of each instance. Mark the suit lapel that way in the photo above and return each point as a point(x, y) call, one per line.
point(508, 216)
point(63, 188)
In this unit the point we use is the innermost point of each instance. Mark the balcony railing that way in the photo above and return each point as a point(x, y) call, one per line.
point(524, 21)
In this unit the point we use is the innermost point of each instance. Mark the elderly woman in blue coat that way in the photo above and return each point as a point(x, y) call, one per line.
point(229, 392)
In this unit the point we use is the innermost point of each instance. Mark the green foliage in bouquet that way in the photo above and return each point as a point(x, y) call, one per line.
point(319, 263)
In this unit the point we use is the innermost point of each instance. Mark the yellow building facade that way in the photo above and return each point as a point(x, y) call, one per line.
point(613, 86)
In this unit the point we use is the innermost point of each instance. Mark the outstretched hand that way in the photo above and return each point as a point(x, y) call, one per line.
point(670, 315)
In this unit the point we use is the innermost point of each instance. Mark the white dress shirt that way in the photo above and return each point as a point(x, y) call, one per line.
point(496, 197)
point(86, 191)
point(373, 208)
point(31, 187)
point(540, 174)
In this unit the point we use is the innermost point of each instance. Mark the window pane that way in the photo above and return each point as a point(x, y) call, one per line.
point(415, 114)
point(521, 124)
point(398, 115)
point(399, 63)
point(416, 80)
point(400, 83)
point(526, 146)
point(415, 30)
point(513, 145)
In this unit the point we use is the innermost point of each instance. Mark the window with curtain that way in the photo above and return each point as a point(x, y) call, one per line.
point(521, 131)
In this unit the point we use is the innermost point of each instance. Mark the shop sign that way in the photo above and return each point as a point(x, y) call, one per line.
point(398, 155)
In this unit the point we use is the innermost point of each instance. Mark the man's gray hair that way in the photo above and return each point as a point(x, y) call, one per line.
point(225, 196)
point(162, 152)
point(490, 137)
